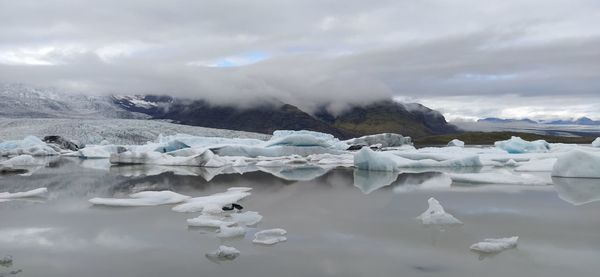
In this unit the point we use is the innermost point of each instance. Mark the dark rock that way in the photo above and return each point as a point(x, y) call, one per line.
point(61, 142)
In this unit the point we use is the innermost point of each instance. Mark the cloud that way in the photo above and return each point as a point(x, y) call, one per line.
point(313, 52)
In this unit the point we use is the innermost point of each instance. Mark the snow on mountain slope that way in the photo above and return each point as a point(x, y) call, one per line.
point(118, 131)
point(18, 101)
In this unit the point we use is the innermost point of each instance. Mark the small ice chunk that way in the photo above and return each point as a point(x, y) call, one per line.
point(270, 236)
point(577, 164)
point(144, 198)
point(224, 253)
point(495, 245)
point(206, 220)
point(457, 143)
point(511, 163)
point(436, 215)
point(31, 193)
point(231, 232)
point(248, 218)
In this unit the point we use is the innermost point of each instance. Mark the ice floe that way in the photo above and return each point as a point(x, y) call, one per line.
point(270, 236)
point(224, 253)
point(206, 159)
point(495, 245)
point(231, 232)
point(21, 160)
point(436, 215)
point(504, 178)
point(577, 164)
point(144, 198)
point(26, 194)
point(368, 159)
point(540, 165)
point(382, 140)
point(518, 145)
point(213, 204)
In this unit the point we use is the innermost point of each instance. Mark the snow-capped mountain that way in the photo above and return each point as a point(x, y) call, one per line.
point(22, 101)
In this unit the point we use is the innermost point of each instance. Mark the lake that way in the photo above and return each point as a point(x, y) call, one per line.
point(340, 222)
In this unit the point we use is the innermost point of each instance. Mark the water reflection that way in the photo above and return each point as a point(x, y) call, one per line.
point(369, 181)
point(577, 191)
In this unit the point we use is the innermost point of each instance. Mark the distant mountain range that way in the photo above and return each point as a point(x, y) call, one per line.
point(578, 121)
point(384, 116)
point(415, 120)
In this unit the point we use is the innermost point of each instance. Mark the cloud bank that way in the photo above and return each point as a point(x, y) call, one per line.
point(470, 59)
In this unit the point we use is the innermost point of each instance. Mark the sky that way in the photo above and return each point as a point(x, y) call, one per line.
point(468, 59)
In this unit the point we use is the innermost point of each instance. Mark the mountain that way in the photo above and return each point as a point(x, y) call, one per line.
point(579, 121)
point(384, 116)
point(22, 101)
point(508, 120)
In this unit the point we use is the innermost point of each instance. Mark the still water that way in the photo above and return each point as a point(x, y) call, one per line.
point(340, 222)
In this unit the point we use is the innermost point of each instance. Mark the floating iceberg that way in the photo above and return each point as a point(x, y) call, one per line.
point(596, 142)
point(206, 159)
point(21, 160)
point(436, 215)
point(30, 145)
point(144, 198)
point(248, 218)
point(99, 151)
point(577, 164)
point(495, 245)
point(516, 145)
point(384, 140)
point(270, 236)
point(231, 232)
point(541, 165)
point(368, 159)
point(31, 193)
point(213, 204)
point(224, 253)
point(305, 138)
point(207, 220)
point(457, 143)
point(497, 178)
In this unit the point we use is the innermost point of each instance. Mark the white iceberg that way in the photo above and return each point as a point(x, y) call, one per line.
point(577, 164)
point(516, 145)
point(495, 245)
point(30, 145)
point(436, 215)
point(224, 253)
point(368, 159)
point(213, 204)
point(384, 140)
point(596, 142)
point(231, 232)
point(26, 194)
point(144, 198)
point(208, 220)
point(21, 160)
point(540, 165)
point(206, 159)
point(456, 143)
point(248, 218)
point(270, 236)
point(305, 138)
point(98, 151)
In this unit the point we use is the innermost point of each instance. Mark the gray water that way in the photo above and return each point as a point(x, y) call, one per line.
point(335, 227)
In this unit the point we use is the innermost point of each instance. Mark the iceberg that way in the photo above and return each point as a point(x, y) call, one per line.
point(144, 198)
point(30, 145)
point(436, 215)
point(517, 145)
point(577, 164)
point(207, 220)
point(99, 151)
point(495, 245)
point(21, 160)
point(456, 143)
point(383, 140)
point(31, 193)
point(596, 142)
point(272, 151)
point(305, 138)
point(248, 218)
point(541, 165)
point(224, 253)
point(206, 159)
point(270, 236)
point(231, 232)
point(368, 159)
point(213, 204)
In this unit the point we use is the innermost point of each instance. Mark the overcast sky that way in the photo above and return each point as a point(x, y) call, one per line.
point(466, 58)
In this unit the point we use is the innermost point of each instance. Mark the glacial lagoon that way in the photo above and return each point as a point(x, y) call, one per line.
point(339, 221)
